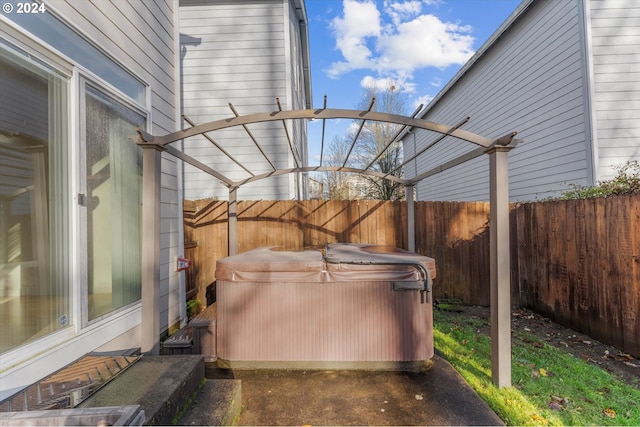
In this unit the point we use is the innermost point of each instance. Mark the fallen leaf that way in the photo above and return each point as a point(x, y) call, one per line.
point(539, 420)
point(555, 406)
point(624, 356)
point(543, 372)
point(535, 374)
point(635, 365)
point(536, 344)
point(609, 413)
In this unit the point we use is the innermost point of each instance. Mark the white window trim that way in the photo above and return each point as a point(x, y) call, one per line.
point(15, 35)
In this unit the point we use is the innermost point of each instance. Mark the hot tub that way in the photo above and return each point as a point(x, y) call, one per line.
point(349, 305)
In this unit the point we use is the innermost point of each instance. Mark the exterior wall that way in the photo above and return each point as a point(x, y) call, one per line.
point(529, 77)
point(141, 37)
point(615, 43)
point(245, 53)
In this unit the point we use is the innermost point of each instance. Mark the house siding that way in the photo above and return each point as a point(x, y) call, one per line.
point(530, 80)
point(238, 52)
point(615, 43)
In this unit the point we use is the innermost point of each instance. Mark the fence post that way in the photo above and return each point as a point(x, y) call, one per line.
point(410, 194)
point(232, 222)
point(500, 268)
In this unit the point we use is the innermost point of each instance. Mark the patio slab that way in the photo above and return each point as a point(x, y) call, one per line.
point(435, 396)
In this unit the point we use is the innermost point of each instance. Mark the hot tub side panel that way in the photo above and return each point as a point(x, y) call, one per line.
point(355, 321)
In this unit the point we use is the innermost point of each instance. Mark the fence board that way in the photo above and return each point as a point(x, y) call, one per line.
point(631, 290)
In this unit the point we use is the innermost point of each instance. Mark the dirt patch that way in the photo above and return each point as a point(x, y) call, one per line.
point(617, 362)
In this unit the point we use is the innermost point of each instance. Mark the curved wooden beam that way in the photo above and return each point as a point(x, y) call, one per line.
point(320, 169)
point(321, 114)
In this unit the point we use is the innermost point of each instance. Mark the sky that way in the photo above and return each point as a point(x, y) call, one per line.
point(415, 45)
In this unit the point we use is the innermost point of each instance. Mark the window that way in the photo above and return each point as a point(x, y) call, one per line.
point(34, 229)
point(60, 36)
point(111, 202)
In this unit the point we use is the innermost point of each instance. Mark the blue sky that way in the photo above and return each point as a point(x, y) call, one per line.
point(418, 45)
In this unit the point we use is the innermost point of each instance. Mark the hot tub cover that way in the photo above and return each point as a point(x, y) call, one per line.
point(272, 265)
point(340, 262)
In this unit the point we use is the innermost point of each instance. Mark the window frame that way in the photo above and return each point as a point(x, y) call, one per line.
point(44, 68)
point(86, 78)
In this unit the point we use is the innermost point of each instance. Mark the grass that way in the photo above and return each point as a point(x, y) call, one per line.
point(550, 386)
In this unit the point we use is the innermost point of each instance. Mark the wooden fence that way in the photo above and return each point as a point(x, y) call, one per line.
point(577, 262)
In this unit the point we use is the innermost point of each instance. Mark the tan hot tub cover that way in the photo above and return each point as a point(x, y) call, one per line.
point(337, 264)
point(333, 307)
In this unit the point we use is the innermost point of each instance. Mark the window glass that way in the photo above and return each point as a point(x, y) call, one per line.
point(113, 203)
point(50, 29)
point(34, 230)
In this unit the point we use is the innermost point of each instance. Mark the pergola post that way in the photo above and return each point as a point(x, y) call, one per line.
point(150, 324)
point(232, 223)
point(410, 195)
point(500, 267)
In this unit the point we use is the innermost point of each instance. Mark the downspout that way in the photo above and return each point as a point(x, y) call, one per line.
point(591, 134)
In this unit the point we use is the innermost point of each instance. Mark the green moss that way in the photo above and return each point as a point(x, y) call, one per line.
point(187, 404)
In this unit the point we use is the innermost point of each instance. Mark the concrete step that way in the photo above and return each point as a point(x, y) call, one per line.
point(161, 385)
point(218, 403)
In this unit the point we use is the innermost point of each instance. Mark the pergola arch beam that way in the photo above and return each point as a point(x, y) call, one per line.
point(319, 114)
point(307, 169)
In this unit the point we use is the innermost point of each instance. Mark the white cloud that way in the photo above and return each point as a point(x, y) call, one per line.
point(399, 11)
point(424, 100)
point(361, 20)
point(384, 83)
point(397, 42)
point(425, 41)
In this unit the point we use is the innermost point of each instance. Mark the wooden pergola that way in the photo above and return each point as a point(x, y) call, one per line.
point(496, 148)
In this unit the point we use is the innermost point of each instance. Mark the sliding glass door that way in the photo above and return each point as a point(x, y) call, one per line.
point(110, 201)
point(34, 211)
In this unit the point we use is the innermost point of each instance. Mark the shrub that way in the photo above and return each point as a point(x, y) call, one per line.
point(626, 181)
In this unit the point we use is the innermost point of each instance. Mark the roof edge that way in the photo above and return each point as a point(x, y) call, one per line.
point(491, 41)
